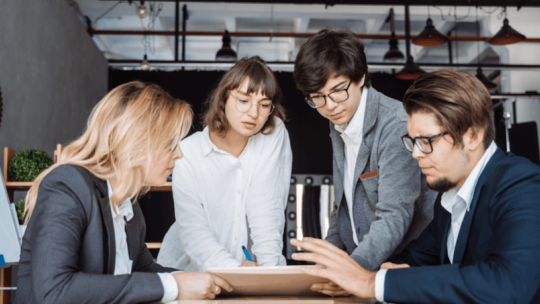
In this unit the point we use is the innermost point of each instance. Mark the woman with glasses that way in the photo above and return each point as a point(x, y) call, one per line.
point(231, 186)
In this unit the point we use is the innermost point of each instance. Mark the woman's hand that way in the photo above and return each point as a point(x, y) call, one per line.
point(199, 285)
point(247, 263)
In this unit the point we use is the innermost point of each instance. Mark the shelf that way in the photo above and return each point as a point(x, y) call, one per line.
point(166, 187)
point(19, 185)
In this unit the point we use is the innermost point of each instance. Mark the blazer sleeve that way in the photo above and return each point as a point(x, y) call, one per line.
point(399, 179)
point(59, 221)
point(509, 274)
point(333, 235)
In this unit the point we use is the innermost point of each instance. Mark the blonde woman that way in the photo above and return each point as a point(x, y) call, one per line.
point(231, 186)
point(85, 236)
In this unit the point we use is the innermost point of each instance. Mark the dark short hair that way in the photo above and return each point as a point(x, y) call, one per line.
point(458, 100)
point(329, 52)
point(261, 78)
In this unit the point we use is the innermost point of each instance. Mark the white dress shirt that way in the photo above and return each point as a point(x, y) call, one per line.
point(217, 195)
point(457, 203)
point(351, 134)
point(123, 264)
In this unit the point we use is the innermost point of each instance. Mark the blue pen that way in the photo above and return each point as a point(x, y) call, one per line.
point(247, 254)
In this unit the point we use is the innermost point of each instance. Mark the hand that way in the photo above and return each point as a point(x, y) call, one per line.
point(199, 286)
point(330, 288)
point(389, 265)
point(247, 263)
point(340, 268)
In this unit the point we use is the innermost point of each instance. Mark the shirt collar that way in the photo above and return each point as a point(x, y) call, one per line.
point(354, 129)
point(124, 210)
point(466, 192)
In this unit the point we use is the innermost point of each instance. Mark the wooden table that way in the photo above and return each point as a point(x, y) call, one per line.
point(280, 300)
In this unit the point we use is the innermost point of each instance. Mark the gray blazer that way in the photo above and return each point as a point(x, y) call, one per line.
point(68, 252)
point(392, 204)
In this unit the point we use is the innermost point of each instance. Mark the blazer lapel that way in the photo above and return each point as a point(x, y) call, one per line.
point(109, 240)
point(338, 147)
point(464, 231)
point(370, 119)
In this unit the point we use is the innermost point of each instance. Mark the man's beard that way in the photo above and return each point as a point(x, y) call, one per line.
point(441, 185)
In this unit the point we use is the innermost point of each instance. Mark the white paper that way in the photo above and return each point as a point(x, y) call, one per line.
point(9, 239)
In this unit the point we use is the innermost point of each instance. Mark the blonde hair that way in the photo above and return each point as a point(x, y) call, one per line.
point(130, 126)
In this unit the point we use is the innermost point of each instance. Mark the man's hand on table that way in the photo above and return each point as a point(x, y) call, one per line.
point(340, 268)
point(199, 285)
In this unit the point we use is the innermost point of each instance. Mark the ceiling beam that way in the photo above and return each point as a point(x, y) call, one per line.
point(274, 34)
point(508, 3)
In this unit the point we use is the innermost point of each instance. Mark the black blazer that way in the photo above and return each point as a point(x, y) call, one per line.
point(68, 250)
point(496, 258)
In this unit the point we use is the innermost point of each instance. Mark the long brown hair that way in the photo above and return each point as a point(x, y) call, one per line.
point(129, 126)
point(261, 78)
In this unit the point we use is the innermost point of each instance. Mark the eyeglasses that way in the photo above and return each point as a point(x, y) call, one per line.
point(423, 143)
point(265, 108)
point(319, 101)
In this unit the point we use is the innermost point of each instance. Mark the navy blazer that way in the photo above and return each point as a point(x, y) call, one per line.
point(68, 251)
point(497, 254)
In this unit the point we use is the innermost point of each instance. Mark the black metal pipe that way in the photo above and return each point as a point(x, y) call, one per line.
point(176, 29)
point(407, 30)
point(184, 19)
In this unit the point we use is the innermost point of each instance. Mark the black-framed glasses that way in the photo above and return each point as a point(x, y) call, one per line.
point(425, 144)
point(243, 105)
point(319, 101)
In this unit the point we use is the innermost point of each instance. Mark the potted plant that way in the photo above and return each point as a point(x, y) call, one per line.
point(19, 207)
point(26, 165)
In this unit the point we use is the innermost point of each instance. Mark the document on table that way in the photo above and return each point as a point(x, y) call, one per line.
point(268, 281)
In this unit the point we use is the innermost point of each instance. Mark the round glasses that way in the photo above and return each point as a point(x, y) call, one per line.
point(425, 144)
point(319, 101)
point(243, 105)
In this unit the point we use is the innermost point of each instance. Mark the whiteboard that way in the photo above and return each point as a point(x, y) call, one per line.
point(9, 240)
point(268, 281)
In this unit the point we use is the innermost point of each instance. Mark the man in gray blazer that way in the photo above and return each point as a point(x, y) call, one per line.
point(381, 198)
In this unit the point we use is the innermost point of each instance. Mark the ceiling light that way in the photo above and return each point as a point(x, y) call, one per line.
point(410, 71)
point(226, 53)
point(489, 85)
point(430, 36)
point(142, 11)
point(393, 54)
point(506, 35)
point(145, 65)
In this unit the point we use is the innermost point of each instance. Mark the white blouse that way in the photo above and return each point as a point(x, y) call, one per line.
point(216, 197)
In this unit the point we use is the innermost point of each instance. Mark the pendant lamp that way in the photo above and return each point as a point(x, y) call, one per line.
point(430, 36)
point(506, 35)
point(145, 65)
point(226, 53)
point(393, 54)
point(410, 71)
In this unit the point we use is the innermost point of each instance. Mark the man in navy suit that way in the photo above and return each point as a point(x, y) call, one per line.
point(483, 245)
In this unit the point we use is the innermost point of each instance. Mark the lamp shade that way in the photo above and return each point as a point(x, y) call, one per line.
point(393, 54)
point(430, 36)
point(145, 65)
point(506, 35)
point(487, 83)
point(410, 71)
point(226, 53)
point(142, 10)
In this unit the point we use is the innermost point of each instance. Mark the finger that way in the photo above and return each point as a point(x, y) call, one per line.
point(223, 284)
point(211, 296)
point(387, 265)
point(333, 293)
point(318, 246)
point(217, 290)
point(326, 286)
point(317, 258)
